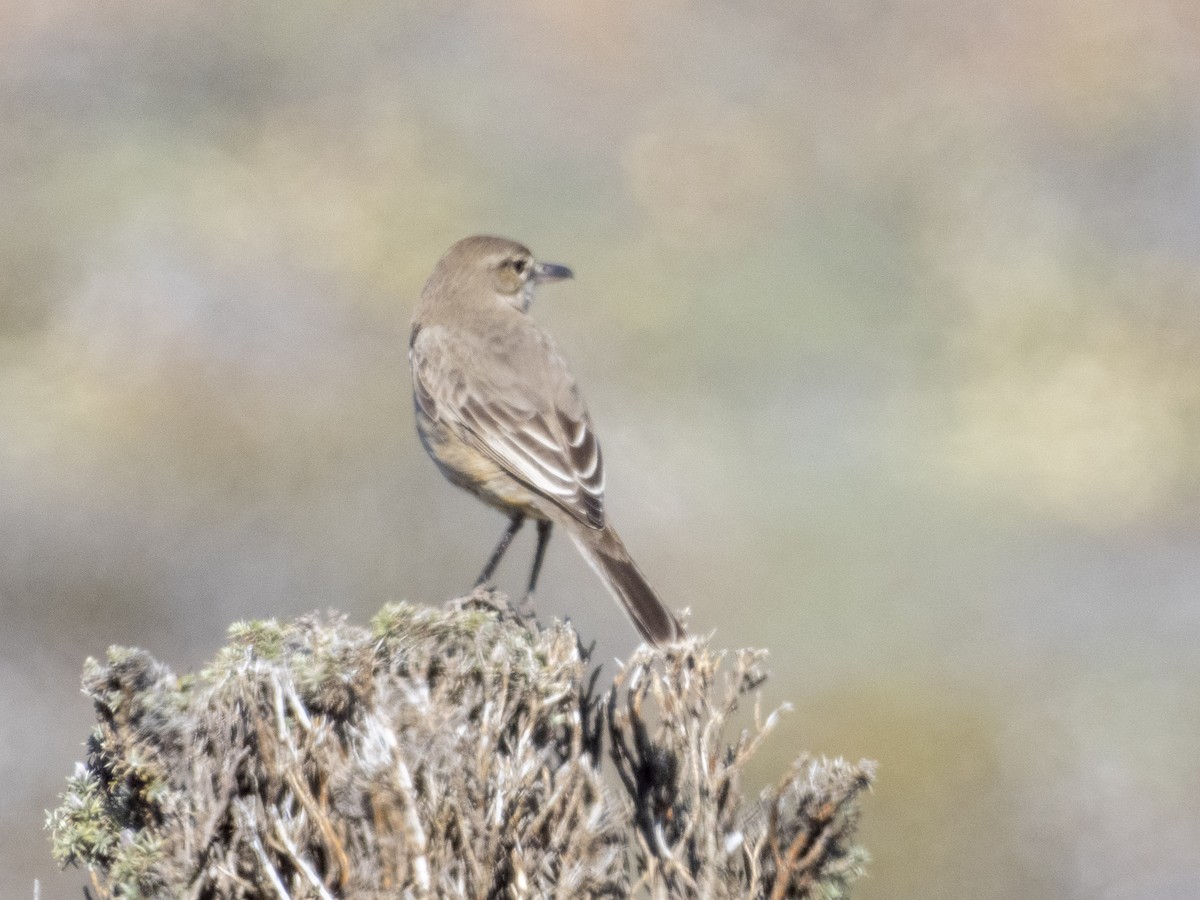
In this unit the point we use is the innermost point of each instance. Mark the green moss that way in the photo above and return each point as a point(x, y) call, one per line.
point(135, 866)
point(263, 637)
point(82, 831)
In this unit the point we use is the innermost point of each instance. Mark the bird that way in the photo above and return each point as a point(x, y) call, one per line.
point(499, 412)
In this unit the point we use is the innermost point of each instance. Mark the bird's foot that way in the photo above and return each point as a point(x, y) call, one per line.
point(526, 609)
point(483, 597)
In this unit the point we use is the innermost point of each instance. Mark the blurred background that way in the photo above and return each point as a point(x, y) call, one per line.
point(888, 315)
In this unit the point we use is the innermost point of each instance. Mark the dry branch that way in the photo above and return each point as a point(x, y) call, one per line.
point(455, 753)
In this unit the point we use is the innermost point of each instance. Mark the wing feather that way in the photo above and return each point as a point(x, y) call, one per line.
point(530, 419)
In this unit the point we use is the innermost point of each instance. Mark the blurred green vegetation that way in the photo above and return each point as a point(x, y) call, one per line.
point(888, 315)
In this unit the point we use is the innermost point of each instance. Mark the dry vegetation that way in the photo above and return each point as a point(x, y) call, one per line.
point(455, 753)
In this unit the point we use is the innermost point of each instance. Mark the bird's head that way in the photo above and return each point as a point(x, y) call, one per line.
point(502, 268)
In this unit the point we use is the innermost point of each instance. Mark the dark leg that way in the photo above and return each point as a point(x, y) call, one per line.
point(514, 525)
point(543, 529)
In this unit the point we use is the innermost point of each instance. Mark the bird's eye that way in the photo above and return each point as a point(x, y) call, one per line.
point(519, 266)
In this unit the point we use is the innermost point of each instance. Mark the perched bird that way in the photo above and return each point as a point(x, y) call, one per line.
point(499, 412)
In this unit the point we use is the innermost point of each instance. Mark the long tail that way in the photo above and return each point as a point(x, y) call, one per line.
point(608, 556)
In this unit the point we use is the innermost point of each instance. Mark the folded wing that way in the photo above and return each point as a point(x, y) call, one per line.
point(528, 417)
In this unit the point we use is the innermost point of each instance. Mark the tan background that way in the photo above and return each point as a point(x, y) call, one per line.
point(888, 315)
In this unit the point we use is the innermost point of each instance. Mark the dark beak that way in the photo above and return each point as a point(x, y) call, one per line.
point(543, 272)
